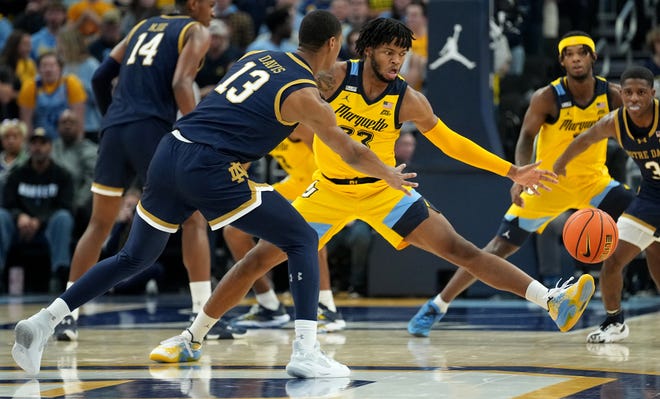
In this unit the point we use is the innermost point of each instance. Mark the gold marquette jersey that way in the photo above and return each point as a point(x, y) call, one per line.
point(555, 136)
point(297, 160)
point(373, 123)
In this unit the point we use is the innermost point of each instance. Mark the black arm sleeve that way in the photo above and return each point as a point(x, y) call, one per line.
point(102, 82)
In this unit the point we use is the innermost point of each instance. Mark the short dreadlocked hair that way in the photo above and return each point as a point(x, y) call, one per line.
point(383, 31)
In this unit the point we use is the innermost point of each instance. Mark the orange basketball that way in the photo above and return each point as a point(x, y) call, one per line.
point(590, 235)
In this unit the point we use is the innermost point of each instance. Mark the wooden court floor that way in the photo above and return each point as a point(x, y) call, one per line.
point(484, 349)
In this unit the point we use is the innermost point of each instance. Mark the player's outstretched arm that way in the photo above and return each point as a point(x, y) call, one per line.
point(603, 129)
point(307, 107)
point(542, 107)
point(417, 109)
point(532, 177)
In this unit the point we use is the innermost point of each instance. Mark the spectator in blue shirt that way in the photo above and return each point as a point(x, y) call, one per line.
point(44, 40)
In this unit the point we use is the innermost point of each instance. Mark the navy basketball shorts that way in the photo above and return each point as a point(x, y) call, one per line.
point(124, 154)
point(185, 177)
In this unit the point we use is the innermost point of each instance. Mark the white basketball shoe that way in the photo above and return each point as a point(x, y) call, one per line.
point(314, 363)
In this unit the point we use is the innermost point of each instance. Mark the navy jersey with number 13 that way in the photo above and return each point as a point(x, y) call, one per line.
point(249, 99)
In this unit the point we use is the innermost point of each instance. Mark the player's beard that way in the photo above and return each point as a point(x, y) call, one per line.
point(375, 67)
point(587, 74)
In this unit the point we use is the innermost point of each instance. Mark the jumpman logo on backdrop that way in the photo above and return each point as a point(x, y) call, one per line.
point(450, 52)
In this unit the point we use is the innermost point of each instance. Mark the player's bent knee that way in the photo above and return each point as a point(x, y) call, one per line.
point(232, 233)
point(613, 265)
point(307, 239)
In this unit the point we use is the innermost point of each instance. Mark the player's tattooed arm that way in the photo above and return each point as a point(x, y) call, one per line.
point(326, 83)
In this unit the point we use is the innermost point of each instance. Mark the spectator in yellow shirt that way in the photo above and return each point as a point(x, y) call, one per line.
point(42, 100)
point(86, 15)
point(16, 55)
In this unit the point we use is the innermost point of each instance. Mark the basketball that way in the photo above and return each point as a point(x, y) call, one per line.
point(590, 235)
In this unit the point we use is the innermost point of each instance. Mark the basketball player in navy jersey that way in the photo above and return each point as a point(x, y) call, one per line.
point(198, 166)
point(158, 61)
point(635, 127)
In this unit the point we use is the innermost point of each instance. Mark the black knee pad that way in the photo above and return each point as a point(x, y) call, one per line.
point(510, 231)
point(617, 200)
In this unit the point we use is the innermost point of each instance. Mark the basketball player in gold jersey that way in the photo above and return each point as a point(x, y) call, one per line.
point(371, 101)
point(557, 113)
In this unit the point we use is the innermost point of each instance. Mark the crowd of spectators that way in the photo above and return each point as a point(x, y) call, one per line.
point(49, 50)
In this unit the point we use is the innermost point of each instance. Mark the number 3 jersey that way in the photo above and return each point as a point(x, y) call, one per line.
point(144, 89)
point(642, 144)
point(241, 117)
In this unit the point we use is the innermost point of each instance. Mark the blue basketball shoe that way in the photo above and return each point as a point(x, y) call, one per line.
point(421, 323)
point(567, 303)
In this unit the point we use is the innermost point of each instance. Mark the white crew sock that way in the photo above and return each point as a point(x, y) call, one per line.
point(58, 309)
point(200, 326)
point(306, 333)
point(325, 297)
point(268, 300)
point(538, 294)
point(442, 305)
point(200, 292)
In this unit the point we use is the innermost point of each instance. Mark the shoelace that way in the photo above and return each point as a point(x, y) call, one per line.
point(553, 291)
point(179, 340)
point(429, 315)
point(318, 354)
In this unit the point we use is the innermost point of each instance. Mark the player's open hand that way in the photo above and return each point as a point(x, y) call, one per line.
point(532, 178)
point(399, 179)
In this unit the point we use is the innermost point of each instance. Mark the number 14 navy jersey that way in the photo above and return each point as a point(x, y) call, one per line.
point(145, 79)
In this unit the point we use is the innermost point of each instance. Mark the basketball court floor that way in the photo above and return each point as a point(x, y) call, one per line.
point(483, 349)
